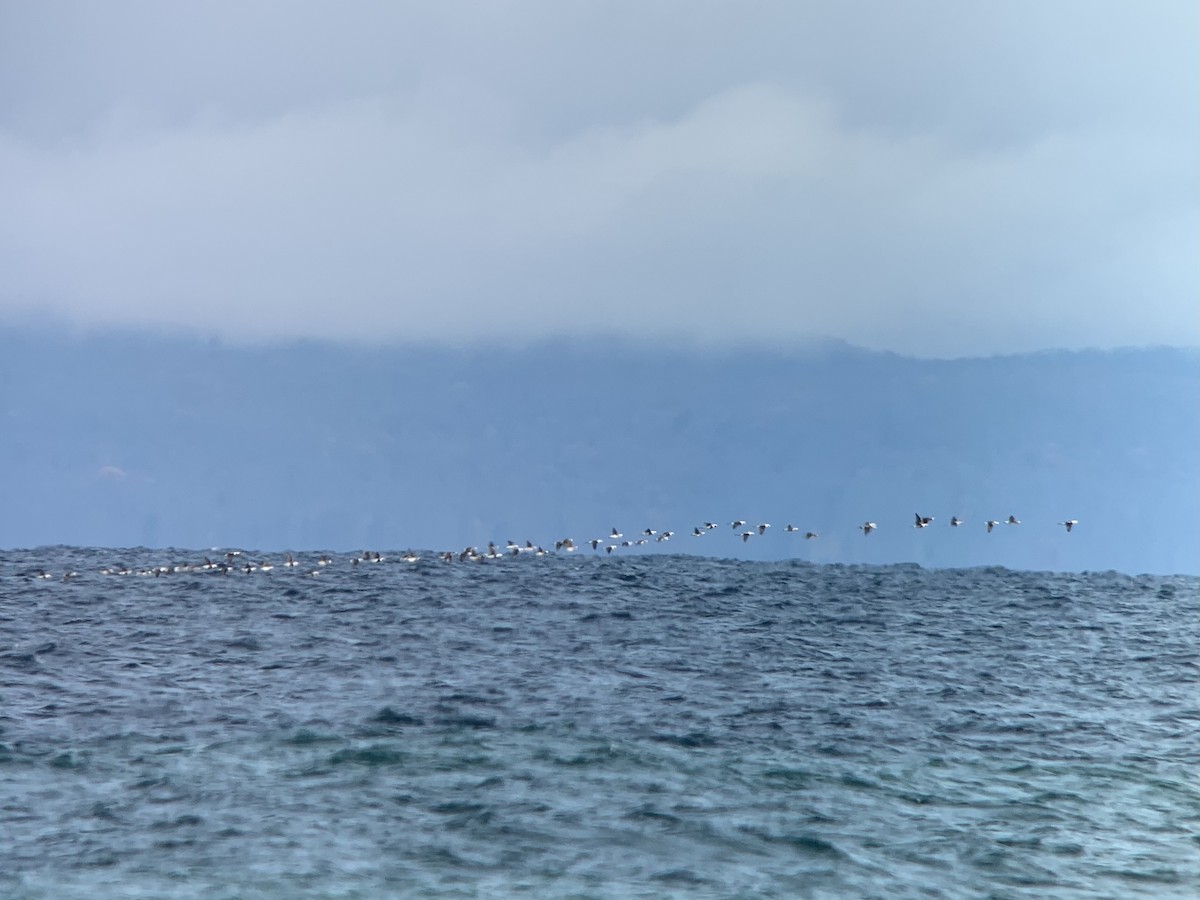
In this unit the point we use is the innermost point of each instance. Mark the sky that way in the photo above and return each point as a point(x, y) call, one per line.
point(938, 179)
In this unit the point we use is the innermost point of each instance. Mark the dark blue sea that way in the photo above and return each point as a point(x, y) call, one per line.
point(593, 726)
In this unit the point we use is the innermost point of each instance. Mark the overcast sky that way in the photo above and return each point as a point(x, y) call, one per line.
point(934, 178)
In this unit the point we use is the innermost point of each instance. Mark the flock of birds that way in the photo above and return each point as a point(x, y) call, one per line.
point(955, 522)
point(233, 561)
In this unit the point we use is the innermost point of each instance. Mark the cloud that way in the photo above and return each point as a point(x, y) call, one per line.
point(709, 194)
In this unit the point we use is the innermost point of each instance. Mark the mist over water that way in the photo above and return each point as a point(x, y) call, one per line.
point(596, 727)
point(120, 440)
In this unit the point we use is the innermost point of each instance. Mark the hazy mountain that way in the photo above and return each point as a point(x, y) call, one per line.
point(128, 440)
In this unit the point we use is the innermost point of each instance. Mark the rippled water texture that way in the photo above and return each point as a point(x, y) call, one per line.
point(595, 727)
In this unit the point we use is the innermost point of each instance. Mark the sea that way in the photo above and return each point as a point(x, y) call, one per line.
point(592, 726)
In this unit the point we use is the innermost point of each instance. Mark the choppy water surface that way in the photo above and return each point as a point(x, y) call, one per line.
point(595, 727)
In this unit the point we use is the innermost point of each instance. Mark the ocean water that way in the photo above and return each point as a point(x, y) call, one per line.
point(583, 726)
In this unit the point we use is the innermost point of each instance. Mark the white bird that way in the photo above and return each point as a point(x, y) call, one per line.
point(738, 523)
point(614, 534)
point(922, 521)
point(696, 532)
point(991, 523)
point(790, 528)
point(1013, 520)
point(1070, 523)
point(868, 527)
point(955, 521)
point(746, 535)
point(762, 529)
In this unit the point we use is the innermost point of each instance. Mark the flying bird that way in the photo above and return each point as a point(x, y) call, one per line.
point(922, 521)
point(955, 521)
point(762, 529)
point(809, 535)
point(738, 523)
point(1070, 523)
point(991, 523)
point(1013, 520)
point(868, 527)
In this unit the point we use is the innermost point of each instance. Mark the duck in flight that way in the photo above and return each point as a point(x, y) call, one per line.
point(922, 521)
point(991, 523)
point(868, 527)
point(955, 521)
point(1069, 523)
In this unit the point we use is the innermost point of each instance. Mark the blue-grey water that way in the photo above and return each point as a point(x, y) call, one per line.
point(581, 726)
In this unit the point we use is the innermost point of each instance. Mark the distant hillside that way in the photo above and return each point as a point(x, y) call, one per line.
point(136, 440)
